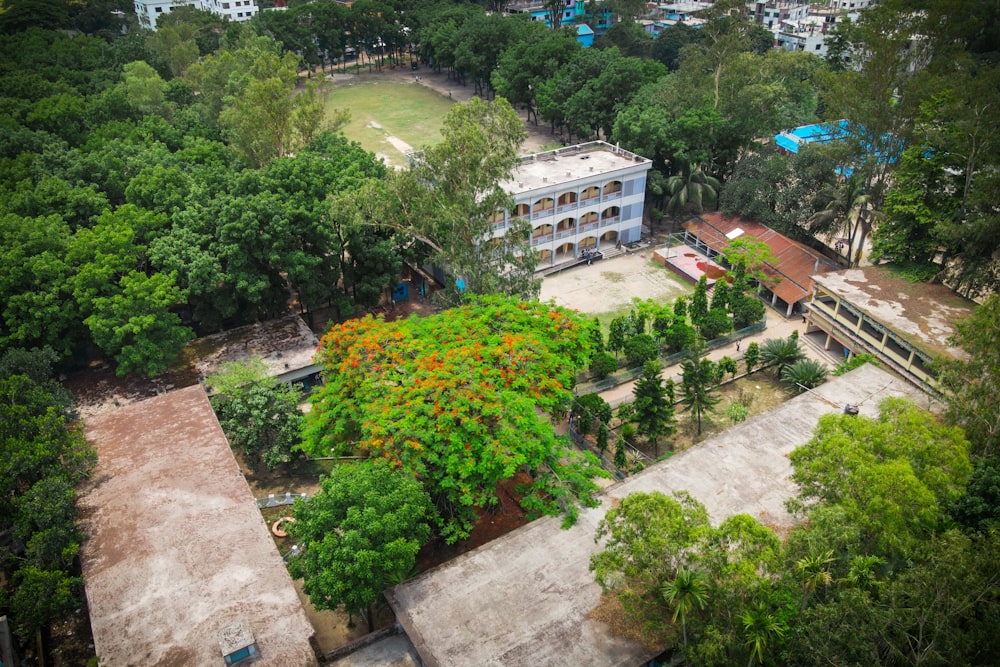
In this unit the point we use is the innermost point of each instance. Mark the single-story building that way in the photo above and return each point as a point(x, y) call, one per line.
point(790, 277)
point(179, 566)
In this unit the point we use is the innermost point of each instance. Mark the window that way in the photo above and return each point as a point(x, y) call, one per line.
point(225, 5)
point(817, 46)
point(159, 10)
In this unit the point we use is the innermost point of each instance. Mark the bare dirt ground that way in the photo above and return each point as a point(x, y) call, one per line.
point(612, 284)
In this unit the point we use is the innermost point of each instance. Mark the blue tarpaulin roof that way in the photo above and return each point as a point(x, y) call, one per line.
point(818, 133)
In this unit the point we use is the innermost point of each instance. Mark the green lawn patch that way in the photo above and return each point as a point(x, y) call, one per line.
point(386, 116)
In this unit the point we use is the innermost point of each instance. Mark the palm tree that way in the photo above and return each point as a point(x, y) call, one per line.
point(804, 374)
point(812, 570)
point(843, 209)
point(688, 590)
point(693, 190)
point(861, 573)
point(780, 353)
point(760, 627)
point(699, 385)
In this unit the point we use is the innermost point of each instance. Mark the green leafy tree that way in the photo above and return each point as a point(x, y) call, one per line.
point(969, 384)
point(699, 390)
point(699, 301)
point(448, 197)
point(462, 400)
point(260, 417)
point(641, 348)
point(602, 438)
point(596, 336)
point(136, 326)
point(751, 358)
point(602, 365)
point(979, 507)
point(728, 365)
point(620, 459)
point(889, 479)
point(648, 539)
point(42, 457)
point(361, 534)
point(803, 374)
point(720, 295)
point(618, 334)
point(654, 405)
point(715, 323)
point(591, 409)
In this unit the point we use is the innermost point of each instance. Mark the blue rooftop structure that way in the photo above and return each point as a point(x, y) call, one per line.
point(819, 133)
point(585, 35)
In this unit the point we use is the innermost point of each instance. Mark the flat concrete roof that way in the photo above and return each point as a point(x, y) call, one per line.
point(524, 599)
point(285, 344)
point(545, 170)
point(924, 314)
point(177, 549)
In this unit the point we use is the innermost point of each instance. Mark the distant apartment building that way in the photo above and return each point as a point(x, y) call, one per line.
point(770, 13)
point(148, 11)
point(584, 197)
point(571, 13)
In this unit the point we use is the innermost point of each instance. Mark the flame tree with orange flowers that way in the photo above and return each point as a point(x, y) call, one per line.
point(462, 400)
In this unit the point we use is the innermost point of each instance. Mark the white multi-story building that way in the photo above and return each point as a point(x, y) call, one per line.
point(148, 11)
point(584, 197)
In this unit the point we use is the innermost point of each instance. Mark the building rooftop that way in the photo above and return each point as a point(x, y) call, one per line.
point(544, 170)
point(285, 345)
point(526, 598)
point(819, 133)
point(923, 314)
point(792, 273)
point(177, 550)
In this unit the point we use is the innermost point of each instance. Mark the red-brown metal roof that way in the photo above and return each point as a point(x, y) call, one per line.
point(796, 263)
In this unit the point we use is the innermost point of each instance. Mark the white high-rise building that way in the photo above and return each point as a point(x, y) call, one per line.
point(148, 11)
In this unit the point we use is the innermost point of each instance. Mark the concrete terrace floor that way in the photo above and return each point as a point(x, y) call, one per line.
point(525, 598)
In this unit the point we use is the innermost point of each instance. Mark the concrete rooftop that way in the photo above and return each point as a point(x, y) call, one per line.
point(922, 313)
point(546, 170)
point(524, 599)
point(177, 549)
point(285, 344)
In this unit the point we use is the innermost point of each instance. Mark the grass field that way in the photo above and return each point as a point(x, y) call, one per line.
point(390, 118)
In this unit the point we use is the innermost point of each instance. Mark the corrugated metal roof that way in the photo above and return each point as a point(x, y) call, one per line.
point(796, 263)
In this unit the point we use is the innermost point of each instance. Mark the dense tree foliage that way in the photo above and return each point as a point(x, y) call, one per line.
point(461, 400)
point(360, 535)
point(260, 417)
point(875, 575)
point(42, 456)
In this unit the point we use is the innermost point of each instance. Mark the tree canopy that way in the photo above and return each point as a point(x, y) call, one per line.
point(462, 400)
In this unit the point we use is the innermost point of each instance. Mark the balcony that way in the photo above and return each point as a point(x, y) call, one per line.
point(590, 201)
point(587, 227)
point(565, 232)
point(611, 196)
point(539, 240)
point(542, 214)
point(562, 208)
point(613, 220)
